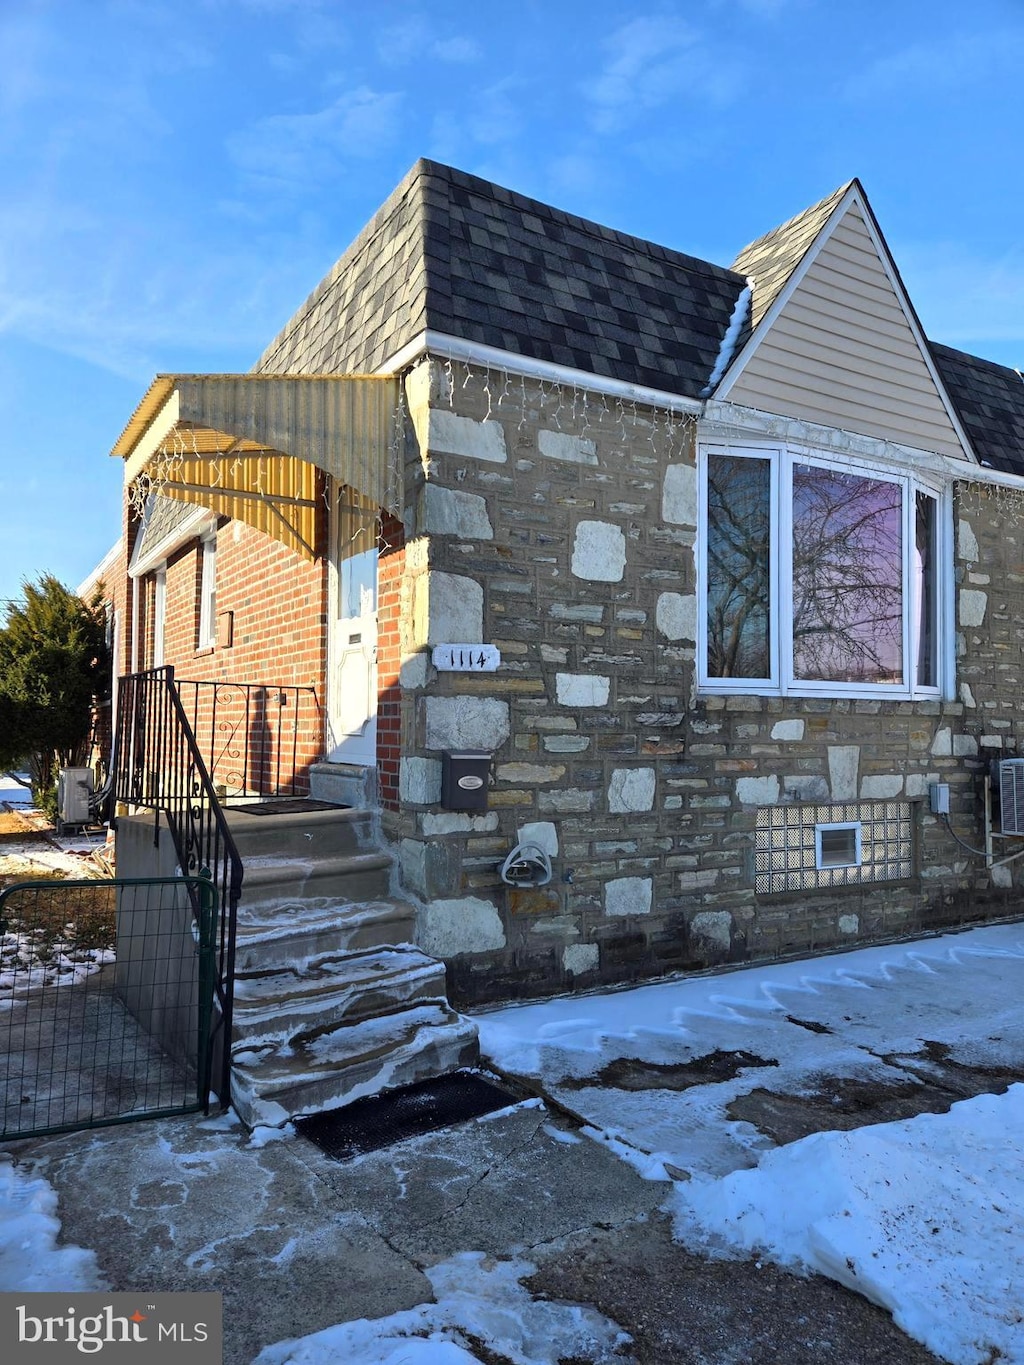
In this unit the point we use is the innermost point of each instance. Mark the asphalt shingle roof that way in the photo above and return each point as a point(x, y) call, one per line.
point(458, 255)
point(990, 401)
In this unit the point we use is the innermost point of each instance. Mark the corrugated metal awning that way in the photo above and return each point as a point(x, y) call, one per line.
point(248, 446)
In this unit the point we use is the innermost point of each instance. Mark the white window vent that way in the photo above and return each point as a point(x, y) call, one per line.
point(1011, 795)
point(837, 845)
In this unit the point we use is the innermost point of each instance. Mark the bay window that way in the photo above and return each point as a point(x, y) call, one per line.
point(818, 576)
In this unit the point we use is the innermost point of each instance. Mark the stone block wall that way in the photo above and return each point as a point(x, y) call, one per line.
point(559, 526)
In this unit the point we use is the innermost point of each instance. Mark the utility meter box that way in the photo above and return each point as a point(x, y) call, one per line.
point(464, 780)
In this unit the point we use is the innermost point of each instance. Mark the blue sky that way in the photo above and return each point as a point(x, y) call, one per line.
point(178, 176)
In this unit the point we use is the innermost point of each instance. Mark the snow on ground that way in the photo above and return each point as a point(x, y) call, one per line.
point(29, 1256)
point(866, 1015)
point(476, 1299)
point(924, 1217)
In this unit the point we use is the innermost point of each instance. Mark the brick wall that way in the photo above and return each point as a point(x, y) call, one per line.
point(556, 526)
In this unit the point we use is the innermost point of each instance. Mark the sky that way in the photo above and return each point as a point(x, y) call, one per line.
point(178, 176)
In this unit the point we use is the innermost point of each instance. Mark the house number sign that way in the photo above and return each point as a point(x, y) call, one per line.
point(466, 658)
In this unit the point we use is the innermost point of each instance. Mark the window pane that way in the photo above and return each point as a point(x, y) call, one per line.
point(847, 577)
point(925, 572)
point(738, 568)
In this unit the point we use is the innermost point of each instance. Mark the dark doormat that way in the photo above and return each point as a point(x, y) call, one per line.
point(381, 1120)
point(297, 805)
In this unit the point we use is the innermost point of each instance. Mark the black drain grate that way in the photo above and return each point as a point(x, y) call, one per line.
point(381, 1120)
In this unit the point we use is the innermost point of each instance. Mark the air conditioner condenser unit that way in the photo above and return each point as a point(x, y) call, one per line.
point(1011, 795)
point(74, 788)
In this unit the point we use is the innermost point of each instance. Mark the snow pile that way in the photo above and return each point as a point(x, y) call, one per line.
point(924, 1217)
point(702, 1042)
point(30, 1259)
point(32, 959)
point(477, 1301)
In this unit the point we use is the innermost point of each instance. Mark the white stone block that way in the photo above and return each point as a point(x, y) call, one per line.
point(1002, 877)
point(599, 552)
point(412, 860)
point(715, 926)
point(543, 833)
point(457, 822)
point(560, 445)
point(466, 723)
point(413, 672)
point(965, 746)
point(849, 924)
point(449, 512)
point(788, 729)
point(972, 606)
point(967, 696)
point(580, 957)
point(942, 744)
point(966, 542)
point(449, 609)
point(466, 924)
point(758, 791)
point(679, 495)
point(676, 615)
point(881, 787)
point(419, 781)
point(450, 434)
point(631, 789)
point(628, 896)
point(843, 767)
point(917, 784)
point(582, 689)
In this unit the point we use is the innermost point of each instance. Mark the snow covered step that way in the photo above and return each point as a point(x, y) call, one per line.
point(288, 932)
point(297, 1004)
point(302, 834)
point(353, 877)
point(271, 1085)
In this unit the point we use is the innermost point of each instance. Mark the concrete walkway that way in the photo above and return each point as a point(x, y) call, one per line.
point(297, 1242)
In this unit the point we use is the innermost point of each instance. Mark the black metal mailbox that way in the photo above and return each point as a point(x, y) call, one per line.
point(464, 780)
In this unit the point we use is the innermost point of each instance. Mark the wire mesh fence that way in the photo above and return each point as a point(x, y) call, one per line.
point(106, 992)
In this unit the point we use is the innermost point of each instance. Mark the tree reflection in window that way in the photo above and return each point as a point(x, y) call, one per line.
point(738, 567)
point(847, 577)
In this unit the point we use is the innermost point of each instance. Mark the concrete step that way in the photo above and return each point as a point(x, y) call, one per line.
point(272, 1085)
point(347, 877)
point(349, 784)
point(286, 933)
point(301, 834)
point(297, 1005)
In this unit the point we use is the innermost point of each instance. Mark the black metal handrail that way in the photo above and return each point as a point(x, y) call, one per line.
point(258, 739)
point(158, 766)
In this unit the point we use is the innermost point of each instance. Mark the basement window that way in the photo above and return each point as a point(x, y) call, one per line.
point(837, 845)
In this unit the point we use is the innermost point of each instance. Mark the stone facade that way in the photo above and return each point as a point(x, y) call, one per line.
point(559, 526)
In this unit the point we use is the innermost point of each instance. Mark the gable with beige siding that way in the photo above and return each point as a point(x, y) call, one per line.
point(841, 351)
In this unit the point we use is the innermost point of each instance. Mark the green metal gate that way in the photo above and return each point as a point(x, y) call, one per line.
point(106, 996)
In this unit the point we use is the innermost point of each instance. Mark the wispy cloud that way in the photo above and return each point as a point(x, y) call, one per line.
point(305, 150)
point(415, 39)
point(966, 300)
point(954, 61)
point(654, 59)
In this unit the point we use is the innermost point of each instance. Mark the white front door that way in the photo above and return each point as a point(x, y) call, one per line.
point(352, 653)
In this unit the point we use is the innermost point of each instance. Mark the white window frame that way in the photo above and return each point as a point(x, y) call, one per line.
point(208, 592)
point(782, 457)
point(159, 616)
point(819, 864)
